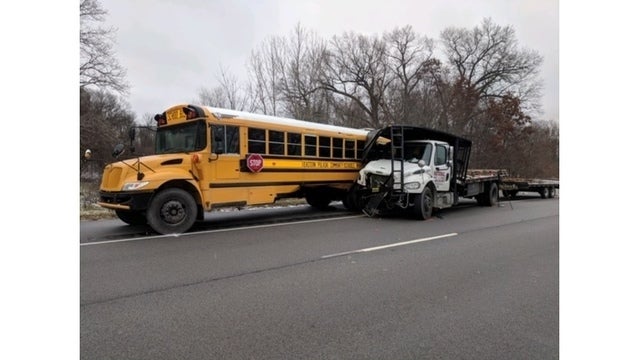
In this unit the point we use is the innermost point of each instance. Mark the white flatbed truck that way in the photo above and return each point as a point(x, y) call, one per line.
point(421, 170)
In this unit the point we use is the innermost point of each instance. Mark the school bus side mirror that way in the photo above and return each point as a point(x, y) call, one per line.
point(117, 150)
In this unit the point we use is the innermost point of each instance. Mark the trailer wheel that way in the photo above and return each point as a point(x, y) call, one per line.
point(172, 211)
point(423, 206)
point(131, 217)
point(544, 193)
point(551, 193)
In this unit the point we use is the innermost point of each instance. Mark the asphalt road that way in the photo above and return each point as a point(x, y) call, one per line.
point(471, 283)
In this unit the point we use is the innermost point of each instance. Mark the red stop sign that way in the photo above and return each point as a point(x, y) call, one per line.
point(255, 162)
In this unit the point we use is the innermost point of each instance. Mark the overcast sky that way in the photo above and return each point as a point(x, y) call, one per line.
point(172, 48)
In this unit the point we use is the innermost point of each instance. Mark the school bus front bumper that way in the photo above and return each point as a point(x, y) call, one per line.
point(121, 200)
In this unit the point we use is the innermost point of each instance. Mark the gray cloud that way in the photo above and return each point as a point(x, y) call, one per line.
point(173, 48)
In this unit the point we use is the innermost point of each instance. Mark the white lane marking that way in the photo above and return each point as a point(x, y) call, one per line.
point(219, 230)
point(389, 245)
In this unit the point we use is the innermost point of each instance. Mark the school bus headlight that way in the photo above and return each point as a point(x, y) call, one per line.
point(134, 185)
point(411, 186)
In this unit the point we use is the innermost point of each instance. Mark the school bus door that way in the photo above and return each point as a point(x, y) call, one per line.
point(225, 161)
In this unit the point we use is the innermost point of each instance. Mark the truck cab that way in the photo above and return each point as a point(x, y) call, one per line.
point(407, 167)
point(423, 162)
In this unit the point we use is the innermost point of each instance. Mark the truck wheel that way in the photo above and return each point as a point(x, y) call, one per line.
point(544, 193)
point(551, 193)
point(493, 195)
point(423, 206)
point(131, 217)
point(489, 198)
point(172, 211)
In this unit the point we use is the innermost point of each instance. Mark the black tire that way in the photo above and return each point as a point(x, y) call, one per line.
point(172, 211)
point(551, 193)
point(423, 205)
point(489, 198)
point(131, 217)
point(493, 194)
point(318, 199)
point(544, 193)
point(350, 200)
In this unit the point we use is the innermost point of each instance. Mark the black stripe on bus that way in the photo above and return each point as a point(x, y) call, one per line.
point(307, 158)
point(275, 183)
point(246, 170)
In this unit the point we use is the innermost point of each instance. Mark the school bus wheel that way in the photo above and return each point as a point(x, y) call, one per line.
point(172, 211)
point(318, 199)
point(351, 201)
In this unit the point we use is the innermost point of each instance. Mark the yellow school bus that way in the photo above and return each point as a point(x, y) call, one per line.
point(207, 157)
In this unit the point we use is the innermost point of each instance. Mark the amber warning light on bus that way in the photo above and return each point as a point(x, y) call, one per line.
point(160, 119)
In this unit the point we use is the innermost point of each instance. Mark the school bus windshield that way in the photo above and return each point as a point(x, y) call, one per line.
point(184, 137)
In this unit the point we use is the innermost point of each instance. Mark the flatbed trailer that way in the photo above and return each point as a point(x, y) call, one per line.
point(510, 186)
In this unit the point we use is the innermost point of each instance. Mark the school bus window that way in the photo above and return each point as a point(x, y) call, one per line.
point(338, 146)
point(276, 142)
point(360, 148)
point(257, 141)
point(349, 152)
point(294, 144)
point(225, 139)
point(310, 145)
point(324, 146)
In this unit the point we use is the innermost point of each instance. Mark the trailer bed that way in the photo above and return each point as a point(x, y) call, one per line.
point(482, 175)
point(509, 183)
point(547, 188)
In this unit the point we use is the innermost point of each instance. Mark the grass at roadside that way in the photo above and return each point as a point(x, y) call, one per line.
point(89, 209)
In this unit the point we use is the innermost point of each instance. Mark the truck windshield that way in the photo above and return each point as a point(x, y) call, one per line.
point(413, 152)
point(186, 137)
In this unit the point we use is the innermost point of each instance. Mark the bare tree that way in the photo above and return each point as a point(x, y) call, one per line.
point(98, 65)
point(410, 58)
point(299, 88)
point(229, 93)
point(266, 68)
point(104, 121)
point(357, 69)
point(488, 63)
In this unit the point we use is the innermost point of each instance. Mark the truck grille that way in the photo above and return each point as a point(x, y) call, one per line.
point(376, 182)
